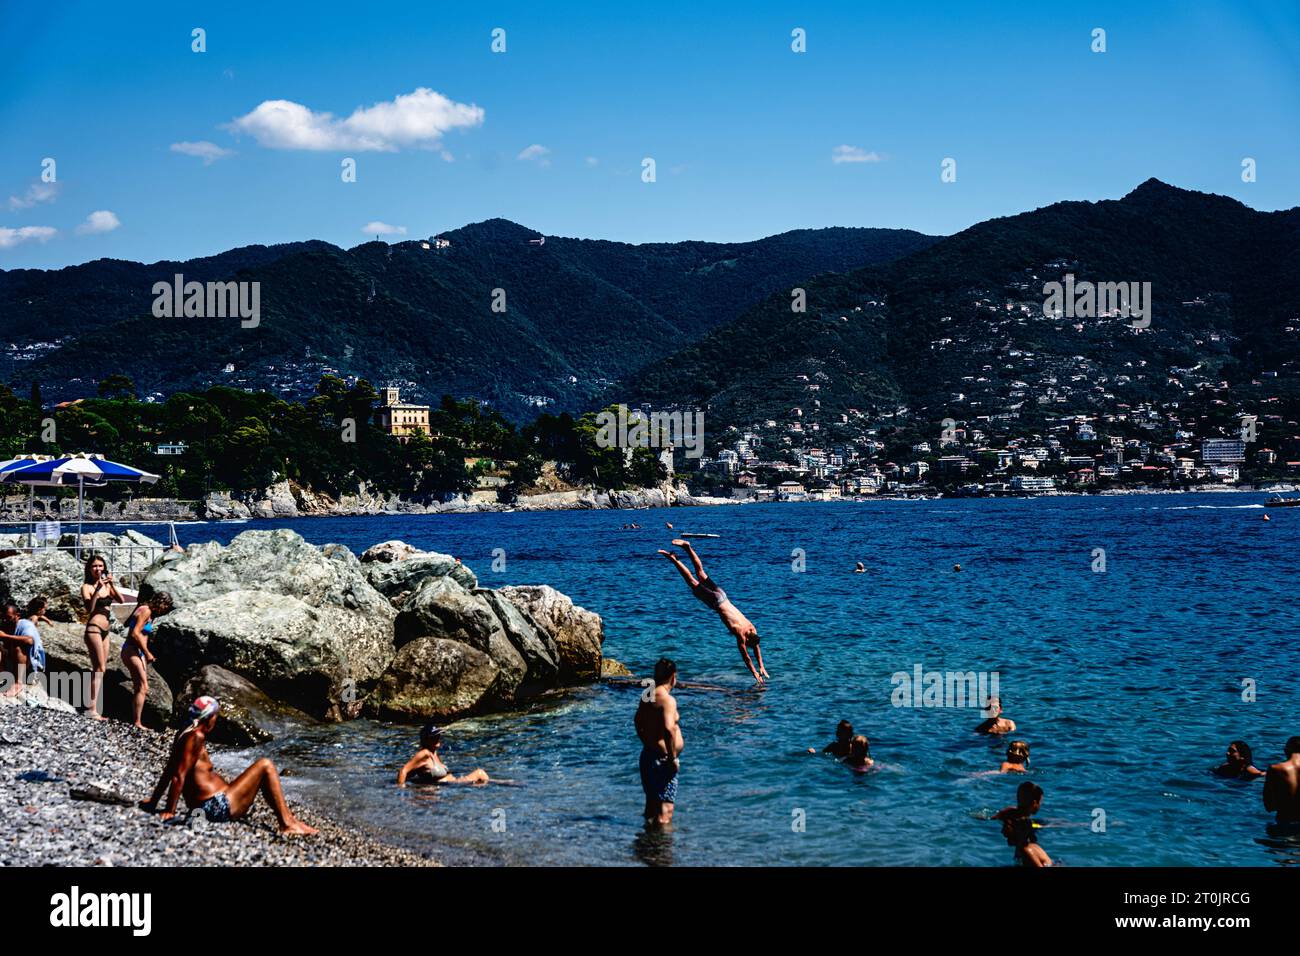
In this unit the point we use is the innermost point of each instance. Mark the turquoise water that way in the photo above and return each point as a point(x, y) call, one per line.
point(1127, 684)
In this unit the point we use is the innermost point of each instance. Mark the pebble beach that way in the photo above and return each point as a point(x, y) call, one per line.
point(51, 763)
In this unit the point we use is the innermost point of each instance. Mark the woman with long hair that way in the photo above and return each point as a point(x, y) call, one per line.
point(99, 593)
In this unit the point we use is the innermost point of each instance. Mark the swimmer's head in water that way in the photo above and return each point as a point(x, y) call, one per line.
point(859, 746)
point(843, 730)
point(665, 671)
point(1018, 750)
point(1240, 751)
point(1029, 796)
point(1293, 746)
point(993, 706)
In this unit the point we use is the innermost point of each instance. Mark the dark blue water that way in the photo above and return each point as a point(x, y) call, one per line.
point(1127, 684)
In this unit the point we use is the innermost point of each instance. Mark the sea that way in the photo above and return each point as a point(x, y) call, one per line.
point(1131, 638)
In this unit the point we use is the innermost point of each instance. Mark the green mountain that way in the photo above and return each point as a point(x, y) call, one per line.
point(958, 328)
point(578, 314)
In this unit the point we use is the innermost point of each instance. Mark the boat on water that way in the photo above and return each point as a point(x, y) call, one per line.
point(1277, 501)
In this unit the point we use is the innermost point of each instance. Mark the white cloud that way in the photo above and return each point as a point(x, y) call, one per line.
point(378, 228)
point(854, 154)
point(536, 153)
point(12, 237)
point(97, 222)
point(411, 119)
point(208, 152)
point(37, 192)
point(446, 156)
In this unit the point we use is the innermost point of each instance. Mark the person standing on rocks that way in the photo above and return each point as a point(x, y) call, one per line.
point(660, 730)
point(189, 773)
point(99, 593)
point(135, 652)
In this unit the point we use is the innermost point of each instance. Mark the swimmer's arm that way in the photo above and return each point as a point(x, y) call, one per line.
point(412, 765)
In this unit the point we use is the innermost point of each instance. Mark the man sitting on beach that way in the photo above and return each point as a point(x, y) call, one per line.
point(661, 742)
point(715, 599)
point(189, 772)
point(996, 723)
point(1282, 785)
point(23, 653)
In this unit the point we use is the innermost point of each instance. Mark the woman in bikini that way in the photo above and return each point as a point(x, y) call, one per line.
point(427, 767)
point(135, 651)
point(99, 594)
point(715, 599)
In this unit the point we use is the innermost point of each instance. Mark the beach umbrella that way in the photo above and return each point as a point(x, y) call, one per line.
point(22, 462)
point(80, 470)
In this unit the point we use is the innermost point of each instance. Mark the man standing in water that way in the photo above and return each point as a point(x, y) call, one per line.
point(661, 743)
point(715, 599)
point(1282, 785)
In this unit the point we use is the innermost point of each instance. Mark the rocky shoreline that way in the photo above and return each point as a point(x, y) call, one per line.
point(56, 769)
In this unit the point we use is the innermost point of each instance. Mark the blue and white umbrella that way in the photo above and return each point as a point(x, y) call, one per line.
point(79, 470)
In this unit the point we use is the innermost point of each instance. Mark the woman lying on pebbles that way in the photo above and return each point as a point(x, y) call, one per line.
point(427, 767)
point(189, 772)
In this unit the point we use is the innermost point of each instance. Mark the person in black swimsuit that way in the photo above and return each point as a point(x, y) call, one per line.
point(427, 767)
point(99, 593)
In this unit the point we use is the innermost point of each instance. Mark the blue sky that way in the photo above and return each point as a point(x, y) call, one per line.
point(742, 129)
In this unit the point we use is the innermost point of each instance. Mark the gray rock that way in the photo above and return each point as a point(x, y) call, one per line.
point(577, 632)
point(535, 646)
point(387, 552)
point(397, 580)
point(54, 575)
point(247, 716)
point(434, 679)
point(443, 609)
point(320, 659)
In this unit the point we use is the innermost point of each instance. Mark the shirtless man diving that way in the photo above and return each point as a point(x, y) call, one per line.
point(661, 743)
point(715, 599)
point(1282, 785)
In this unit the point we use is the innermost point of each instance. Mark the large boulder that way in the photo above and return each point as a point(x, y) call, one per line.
point(398, 579)
point(443, 609)
point(386, 552)
point(247, 715)
point(54, 575)
point(67, 664)
point(538, 649)
point(434, 679)
point(577, 632)
point(320, 659)
point(280, 562)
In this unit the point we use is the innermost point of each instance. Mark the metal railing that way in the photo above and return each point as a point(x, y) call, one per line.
point(127, 561)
